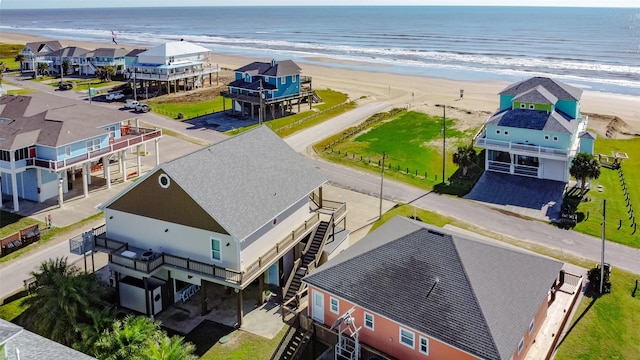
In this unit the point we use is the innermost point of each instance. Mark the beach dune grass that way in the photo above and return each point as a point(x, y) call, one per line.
point(8, 54)
point(412, 143)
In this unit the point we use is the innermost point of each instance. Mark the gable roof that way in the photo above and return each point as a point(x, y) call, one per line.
point(108, 52)
point(50, 120)
point(555, 121)
point(587, 135)
point(33, 346)
point(175, 48)
point(243, 182)
point(475, 296)
point(135, 52)
point(537, 95)
point(69, 51)
point(281, 68)
point(559, 89)
point(38, 46)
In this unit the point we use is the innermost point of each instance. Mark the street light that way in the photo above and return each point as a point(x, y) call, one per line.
point(444, 139)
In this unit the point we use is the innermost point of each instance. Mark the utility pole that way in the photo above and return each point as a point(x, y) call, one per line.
point(260, 110)
point(444, 139)
point(604, 211)
point(384, 155)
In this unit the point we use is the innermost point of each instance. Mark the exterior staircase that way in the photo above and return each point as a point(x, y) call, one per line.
point(292, 345)
point(309, 259)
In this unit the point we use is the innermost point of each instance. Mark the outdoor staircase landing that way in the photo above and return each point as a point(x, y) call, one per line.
point(308, 258)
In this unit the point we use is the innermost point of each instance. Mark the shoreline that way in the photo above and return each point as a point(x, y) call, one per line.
point(419, 93)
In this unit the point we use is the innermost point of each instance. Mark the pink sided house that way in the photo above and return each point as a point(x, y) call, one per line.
point(414, 291)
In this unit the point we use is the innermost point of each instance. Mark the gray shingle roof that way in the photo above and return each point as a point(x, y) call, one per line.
point(244, 182)
point(558, 89)
point(537, 95)
point(555, 121)
point(33, 346)
point(108, 53)
point(38, 46)
point(50, 120)
point(69, 51)
point(484, 299)
point(281, 68)
point(587, 135)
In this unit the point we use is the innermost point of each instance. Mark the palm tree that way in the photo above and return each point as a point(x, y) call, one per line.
point(3, 68)
point(465, 157)
point(583, 168)
point(42, 68)
point(66, 64)
point(90, 333)
point(171, 348)
point(128, 339)
point(19, 59)
point(63, 299)
point(105, 73)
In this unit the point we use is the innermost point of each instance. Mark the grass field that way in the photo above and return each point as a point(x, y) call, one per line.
point(188, 109)
point(290, 124)
point(412, 142)
point(590, 213)
point(8, 53)
point(244, 346)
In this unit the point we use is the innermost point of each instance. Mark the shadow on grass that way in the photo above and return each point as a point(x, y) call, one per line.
point(586, 310)
point(205, 335)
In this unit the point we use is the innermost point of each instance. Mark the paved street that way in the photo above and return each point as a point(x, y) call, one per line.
point(619, 256)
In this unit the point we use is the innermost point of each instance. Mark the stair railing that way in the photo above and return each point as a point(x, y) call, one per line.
point(292, 275)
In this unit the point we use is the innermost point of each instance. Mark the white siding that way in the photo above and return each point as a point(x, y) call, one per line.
point(272, 234)
point(179, 240)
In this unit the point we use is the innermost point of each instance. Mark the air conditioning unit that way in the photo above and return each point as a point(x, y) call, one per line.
point(147, 255)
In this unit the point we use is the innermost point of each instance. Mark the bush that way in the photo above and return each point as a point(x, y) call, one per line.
point(594, 280)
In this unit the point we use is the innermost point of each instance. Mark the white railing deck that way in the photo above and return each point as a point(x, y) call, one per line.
point(535, 150)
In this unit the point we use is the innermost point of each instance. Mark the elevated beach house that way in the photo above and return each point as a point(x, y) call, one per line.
point(46, 140)
point(73, 55)
point(172, 65)
point(260, 88)
point(103, 57)
point(410, 290)
point(537, 131)
point(34, 52)
point(236, 213)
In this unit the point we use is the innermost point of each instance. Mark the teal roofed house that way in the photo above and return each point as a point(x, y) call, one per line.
point(537, 131)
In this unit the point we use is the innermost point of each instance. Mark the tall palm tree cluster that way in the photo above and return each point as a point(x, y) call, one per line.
point(72, 308)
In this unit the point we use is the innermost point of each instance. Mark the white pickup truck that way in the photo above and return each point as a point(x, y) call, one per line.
point(131, 104)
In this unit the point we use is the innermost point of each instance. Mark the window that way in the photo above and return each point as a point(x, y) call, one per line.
point(215, 249)
point(531, 326)
point(520, 346)
point(282, 80)
point(532, 106)
point(368, 321)
point(21, 154)
point(293, 78)
point(523, 106)
point(334, 305)
point(424, 345)
point(555, 138)
point(67, 151)
point(93, 144)
point(506, 132)
point(546, 137)
point(407, 337)
point(498, 132)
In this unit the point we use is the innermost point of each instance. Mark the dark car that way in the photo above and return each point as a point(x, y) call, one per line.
point(65, 85)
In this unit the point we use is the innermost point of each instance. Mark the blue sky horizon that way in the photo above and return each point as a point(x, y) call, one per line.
point(65, 4)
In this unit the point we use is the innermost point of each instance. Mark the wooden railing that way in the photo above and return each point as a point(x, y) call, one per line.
point(293, 305)
point(142, 136)
point(292, 275)
point(281, 247)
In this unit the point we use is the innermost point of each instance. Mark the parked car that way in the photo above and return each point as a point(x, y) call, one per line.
point(65, 85)
point(131, 104)
point(143, 108)
point(114, 96)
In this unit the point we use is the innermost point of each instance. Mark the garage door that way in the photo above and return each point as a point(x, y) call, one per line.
point(554, 170)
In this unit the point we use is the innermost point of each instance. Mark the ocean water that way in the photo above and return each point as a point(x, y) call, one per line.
point(595, 48)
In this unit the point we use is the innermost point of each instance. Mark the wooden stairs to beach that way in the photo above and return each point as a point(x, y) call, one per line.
point(308, 260)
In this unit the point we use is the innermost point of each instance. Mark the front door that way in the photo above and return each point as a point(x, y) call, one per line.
point(318, 307)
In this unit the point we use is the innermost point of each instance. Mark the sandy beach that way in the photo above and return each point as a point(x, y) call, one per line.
point(418, 92)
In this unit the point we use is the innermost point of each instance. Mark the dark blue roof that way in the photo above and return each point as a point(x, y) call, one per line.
point(254, 86)
point(555, 121)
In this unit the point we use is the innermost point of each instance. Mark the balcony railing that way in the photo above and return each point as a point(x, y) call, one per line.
point(171, 76)
point(255, 98)
point(535, 150)
point(139, 136)
point(116, 248)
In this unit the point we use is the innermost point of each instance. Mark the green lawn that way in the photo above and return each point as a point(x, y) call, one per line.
point(244, 346)
point(412, 142)
point(328, 109)
point(8, 53)
point(188, 109)
point(608, 328)
point(612, 191)
point(12, 310)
